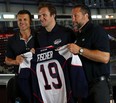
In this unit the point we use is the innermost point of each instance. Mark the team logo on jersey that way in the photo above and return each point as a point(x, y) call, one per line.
point(57, 41)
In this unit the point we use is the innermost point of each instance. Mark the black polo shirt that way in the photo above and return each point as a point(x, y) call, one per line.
point(95, 38)
point(17, 46)
point(59, 36)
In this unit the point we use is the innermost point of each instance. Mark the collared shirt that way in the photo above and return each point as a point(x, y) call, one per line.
point(17, 46)
point(93, 37)
point(59, 36)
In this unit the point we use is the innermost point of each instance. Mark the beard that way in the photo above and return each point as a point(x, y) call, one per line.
point(77, 25)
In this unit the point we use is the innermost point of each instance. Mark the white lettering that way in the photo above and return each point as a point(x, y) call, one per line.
point(44, 56)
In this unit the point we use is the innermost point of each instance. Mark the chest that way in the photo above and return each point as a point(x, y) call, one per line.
point(56, 39)
point(21, 46)
point(86, 40)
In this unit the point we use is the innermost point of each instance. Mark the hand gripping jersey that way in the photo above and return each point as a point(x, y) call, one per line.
point(50, 76)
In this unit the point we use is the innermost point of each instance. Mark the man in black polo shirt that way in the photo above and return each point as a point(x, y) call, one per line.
point(51, 33)
point(22, 42)
point(92, 45)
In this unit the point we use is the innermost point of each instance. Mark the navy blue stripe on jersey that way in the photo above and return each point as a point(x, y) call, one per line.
point(78, 79)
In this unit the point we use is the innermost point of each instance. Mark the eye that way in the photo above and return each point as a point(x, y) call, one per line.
point(39, 16)
point(19, 19)
point(25, 19)
point(44, 15)
point(74, 16)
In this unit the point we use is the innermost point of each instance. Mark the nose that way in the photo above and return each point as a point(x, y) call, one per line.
point(21, 21)
point(73, 18)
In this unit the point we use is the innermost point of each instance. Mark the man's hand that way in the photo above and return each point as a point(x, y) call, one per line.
point(19, 59)
point(73, 48)
point(32, 50)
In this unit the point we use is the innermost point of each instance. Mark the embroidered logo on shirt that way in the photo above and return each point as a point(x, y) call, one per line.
point(83, 39)
point(57, 41)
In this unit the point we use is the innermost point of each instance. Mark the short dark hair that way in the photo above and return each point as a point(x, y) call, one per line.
point(50, 7)
point(25, 12)
point(84, 9)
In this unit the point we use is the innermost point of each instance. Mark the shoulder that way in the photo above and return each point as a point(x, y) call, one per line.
point(67, 32)
point(13, 37)
point(40, 29)
point(64, 29)
point(34, 32)
point(99, 33)
point(97, 28)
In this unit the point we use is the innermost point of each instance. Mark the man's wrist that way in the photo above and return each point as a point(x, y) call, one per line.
point(81, 51)
point(14, 62)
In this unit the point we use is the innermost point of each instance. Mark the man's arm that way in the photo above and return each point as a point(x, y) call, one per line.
point(94, 55)
point(17, 61)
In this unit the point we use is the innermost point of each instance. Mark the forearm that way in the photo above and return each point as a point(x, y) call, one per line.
point(96, 55)
point(10, 61)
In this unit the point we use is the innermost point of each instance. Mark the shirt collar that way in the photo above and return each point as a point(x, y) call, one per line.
point(85, 27)
point(28, 38)
point(54, 28)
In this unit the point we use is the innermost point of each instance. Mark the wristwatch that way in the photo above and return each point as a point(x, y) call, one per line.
point(81, 51)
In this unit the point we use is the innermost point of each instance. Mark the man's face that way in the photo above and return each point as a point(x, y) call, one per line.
point(45, 18)
point(23, 21)
point(78, 18)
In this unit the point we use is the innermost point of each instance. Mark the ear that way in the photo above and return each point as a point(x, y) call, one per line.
point(86, 15)
point(54, 15)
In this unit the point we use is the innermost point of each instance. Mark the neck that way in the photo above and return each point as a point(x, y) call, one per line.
point(83, 24)
point(25, 34)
